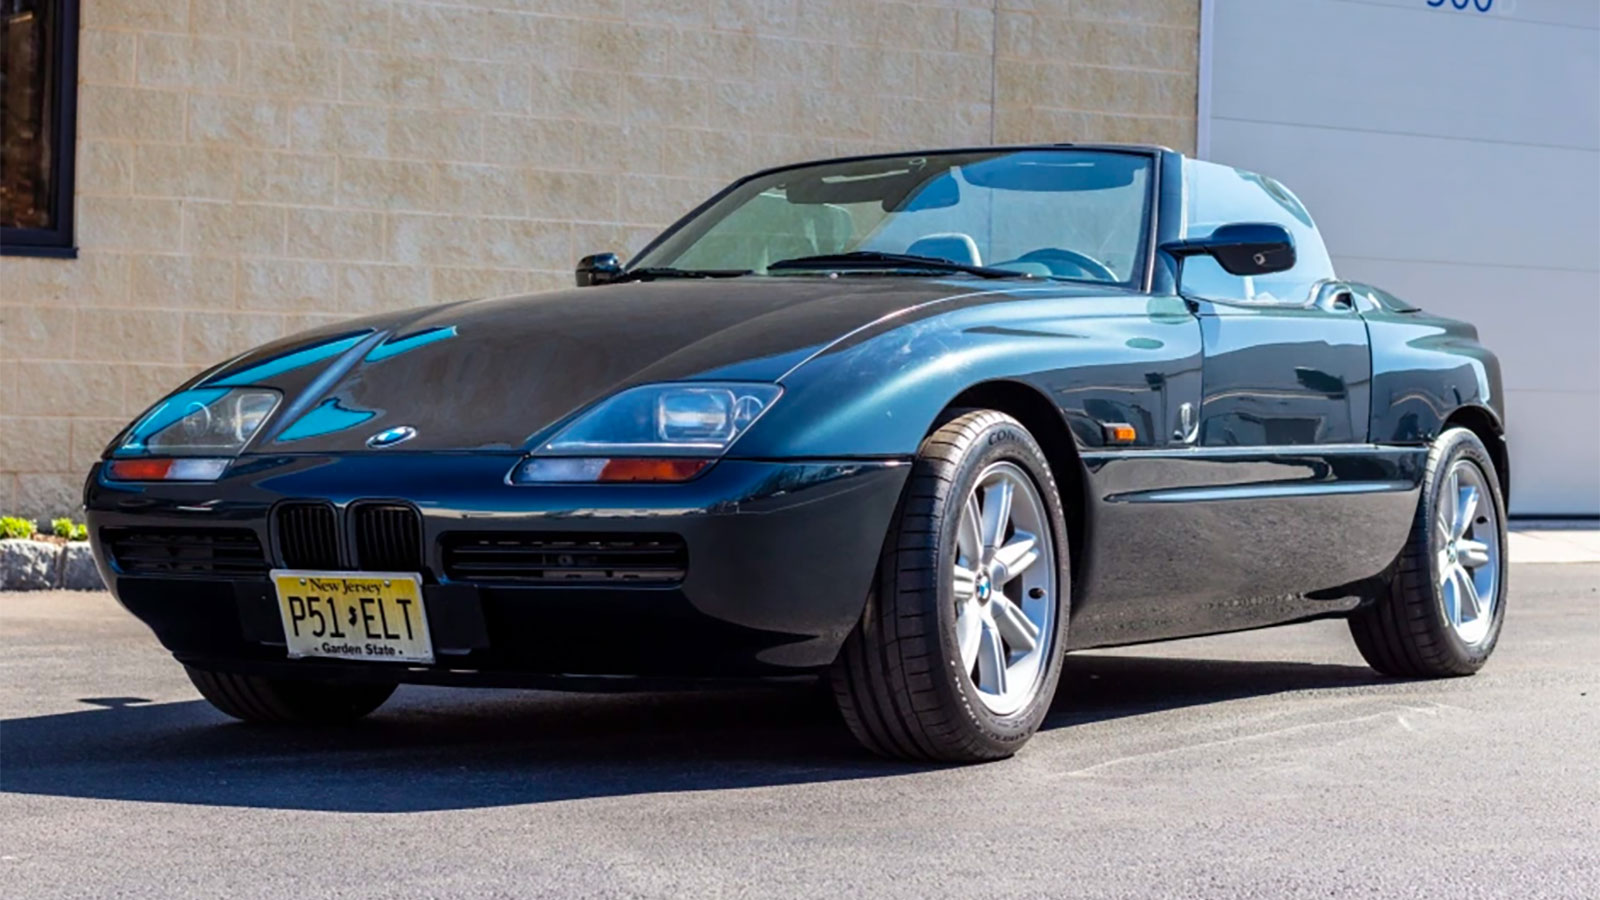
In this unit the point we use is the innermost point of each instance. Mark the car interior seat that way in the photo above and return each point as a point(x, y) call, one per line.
point(953, 246)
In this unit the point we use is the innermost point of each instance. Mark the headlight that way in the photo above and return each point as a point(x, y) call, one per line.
point(659, 432)
point(200, 422)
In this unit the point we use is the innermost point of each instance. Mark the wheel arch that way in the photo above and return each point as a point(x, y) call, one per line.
point(1482, 422)
point(1044, 421)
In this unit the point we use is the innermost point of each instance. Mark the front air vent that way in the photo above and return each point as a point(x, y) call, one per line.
point(546, 558)
point(308, 535)
point(388, 537)
point(193, 552)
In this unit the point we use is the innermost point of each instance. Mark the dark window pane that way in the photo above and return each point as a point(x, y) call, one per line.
point(27, 126)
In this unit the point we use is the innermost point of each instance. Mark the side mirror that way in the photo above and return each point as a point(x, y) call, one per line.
point(1243, 248)
point(599, 268)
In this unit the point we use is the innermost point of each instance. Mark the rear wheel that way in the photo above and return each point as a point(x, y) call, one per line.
point(959, 649)
point(253, 698)
point(1442, 611)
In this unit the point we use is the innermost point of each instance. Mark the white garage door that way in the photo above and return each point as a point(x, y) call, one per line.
point(1451, 156)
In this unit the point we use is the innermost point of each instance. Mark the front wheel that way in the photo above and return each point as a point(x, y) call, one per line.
point(1442, 611)
point(959, 649)
point(282, 701)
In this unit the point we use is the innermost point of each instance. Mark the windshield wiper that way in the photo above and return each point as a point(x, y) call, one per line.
point(875, 259)
point(650, 273)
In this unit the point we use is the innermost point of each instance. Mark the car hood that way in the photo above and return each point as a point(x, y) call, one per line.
point(498, 374)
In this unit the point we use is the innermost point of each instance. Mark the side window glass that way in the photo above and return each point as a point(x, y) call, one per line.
point(1217, 195)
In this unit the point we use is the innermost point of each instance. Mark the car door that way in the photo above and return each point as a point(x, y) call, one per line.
point(1284, 375)
point(1283, 481)
point(1302, 503)
point(1270, 503)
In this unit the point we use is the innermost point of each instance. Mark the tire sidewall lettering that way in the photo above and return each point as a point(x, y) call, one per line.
point(1003, 435)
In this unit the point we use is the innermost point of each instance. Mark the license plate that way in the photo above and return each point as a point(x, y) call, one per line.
point(354, 615)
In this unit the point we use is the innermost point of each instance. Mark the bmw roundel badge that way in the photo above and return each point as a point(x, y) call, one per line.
point(389, 437)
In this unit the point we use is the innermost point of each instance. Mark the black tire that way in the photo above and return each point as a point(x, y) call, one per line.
point(1406, 631)
point(281, 701)
point(899, 682)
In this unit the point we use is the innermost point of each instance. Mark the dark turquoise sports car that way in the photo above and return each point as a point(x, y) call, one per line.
point(917, 423)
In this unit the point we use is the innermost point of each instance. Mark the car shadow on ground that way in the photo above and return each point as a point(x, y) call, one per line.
point(435, 748)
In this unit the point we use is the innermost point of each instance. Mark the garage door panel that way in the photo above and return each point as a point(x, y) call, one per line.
point(1407, 68)
point(1554, 471)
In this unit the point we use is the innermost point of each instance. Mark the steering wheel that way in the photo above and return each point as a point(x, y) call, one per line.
point(1087, 265)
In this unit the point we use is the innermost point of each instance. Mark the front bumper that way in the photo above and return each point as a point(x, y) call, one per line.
point(780, 558)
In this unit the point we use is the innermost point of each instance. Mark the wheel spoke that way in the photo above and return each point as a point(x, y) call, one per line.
point(969, 538)
point(1466, 509)
point(1467, 590)
point(969, 624)
point(1452, 486)
point(991, 660)
point(1015, 557)
point(1018, 630)
point(964, 583)
point(996, 513)
point(1472, 553)
point(1450, 593)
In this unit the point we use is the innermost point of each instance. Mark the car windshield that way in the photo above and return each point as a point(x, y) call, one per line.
point(1077, 214)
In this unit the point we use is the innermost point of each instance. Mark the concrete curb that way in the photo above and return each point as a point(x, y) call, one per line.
point(29, 565)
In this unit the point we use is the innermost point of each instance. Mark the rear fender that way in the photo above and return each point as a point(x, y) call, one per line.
point(1424, 369)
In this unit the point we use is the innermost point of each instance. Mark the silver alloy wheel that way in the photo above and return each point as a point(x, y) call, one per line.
point(1466, 544)
point(1004, 584)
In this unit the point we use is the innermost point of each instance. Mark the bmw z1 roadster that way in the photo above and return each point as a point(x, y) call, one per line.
point(917, 423)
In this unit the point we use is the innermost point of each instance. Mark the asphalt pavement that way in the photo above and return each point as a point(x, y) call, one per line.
point(1267, 764)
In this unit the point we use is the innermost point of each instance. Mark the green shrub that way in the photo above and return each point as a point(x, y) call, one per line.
point(15, 527)
point(66, 528)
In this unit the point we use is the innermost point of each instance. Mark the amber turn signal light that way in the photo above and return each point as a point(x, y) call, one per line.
point(1120, 433)
point(600, 469)
point(180, 469)
point(652, 469)
point(140, 469)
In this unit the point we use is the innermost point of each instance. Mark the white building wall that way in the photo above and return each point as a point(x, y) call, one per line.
point(1453, 158)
